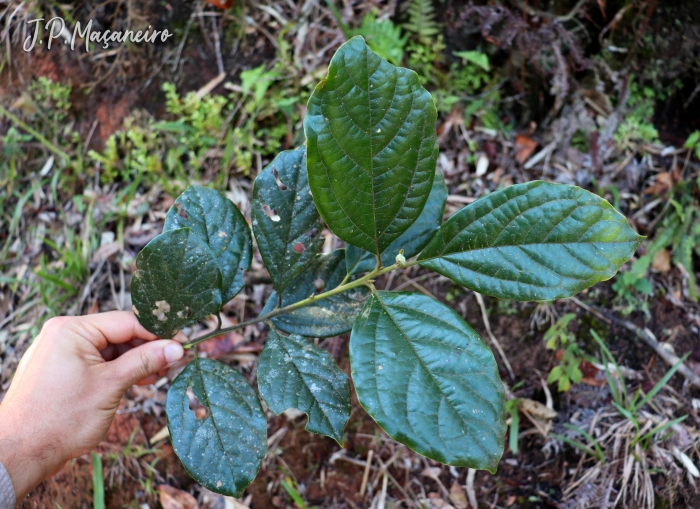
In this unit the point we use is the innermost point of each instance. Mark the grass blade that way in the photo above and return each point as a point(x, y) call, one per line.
point(98, 483)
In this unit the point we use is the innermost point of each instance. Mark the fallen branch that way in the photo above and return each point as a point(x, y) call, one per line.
point(645, 335)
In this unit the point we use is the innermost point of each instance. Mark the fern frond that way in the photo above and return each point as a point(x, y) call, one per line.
point(383, 37)
point(664, 238)
point(421, 19)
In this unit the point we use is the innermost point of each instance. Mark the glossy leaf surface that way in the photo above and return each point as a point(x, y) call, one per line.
point(222, 451)
point(428, 380)
point(372, 147)
point(412, 241)
point(285, 220)
point(295, 373)
point(220, 224)
point(177, 281)
point(534, 241)
point(327, 317)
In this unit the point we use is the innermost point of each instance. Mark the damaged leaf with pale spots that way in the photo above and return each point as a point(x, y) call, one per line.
point(178, 280)
point(219, 223)
point(327, 317)
point(295, 373)
point(222, 448)
point(284, 217)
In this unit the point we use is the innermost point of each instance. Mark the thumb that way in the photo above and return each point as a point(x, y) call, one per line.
point(144, 360)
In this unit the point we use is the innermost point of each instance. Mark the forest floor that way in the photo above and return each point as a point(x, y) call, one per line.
point(96, 145)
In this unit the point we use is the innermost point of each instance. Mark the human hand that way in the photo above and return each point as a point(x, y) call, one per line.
point(67, 389)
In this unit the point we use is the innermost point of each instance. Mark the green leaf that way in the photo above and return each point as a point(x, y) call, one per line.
point(412, 240)
point(295, 373)
point(534, 241)
point(476, 58)
point(224, 450)
point(372, 147)
point(285, 220)
point(177, 281)
point(219, 223)
point(692, 140)
point(429, 380)
point(328, 317)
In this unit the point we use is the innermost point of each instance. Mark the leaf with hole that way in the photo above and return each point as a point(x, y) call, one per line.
point(219, 223)
point(429, 380)
point(295, 373)
point(177, 281)
point(412, 241)
point(286, 223)
point(224, 449)
point(328, 317)
point(372, 147)
point(534, 241)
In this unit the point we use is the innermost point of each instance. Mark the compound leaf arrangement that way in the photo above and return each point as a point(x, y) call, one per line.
point(368, 170)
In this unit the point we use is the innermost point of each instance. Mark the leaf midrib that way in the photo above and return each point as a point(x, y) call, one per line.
point(462, 251)
point(301, 375)
point(420, 360)
point(213, 420)
point(371, 155)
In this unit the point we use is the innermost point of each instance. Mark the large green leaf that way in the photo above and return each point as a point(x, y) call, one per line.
point(285, 220)
point(222, 451)
point(372, 147)
point(177, 281)
point(429, 380)
point(328, 317)
point(412, 240)
point(221, 225)
point(295, 373)
point(534, 241)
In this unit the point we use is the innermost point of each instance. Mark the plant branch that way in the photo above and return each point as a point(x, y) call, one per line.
point(368, 278)
point(646, 336)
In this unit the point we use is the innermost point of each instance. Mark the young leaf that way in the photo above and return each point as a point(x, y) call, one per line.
point(177, 281)
point(295, 373)
point(429, 380)
point(412, 240)
point(223, 447)
point(219, 223)
point(285, 220)
point(328, 317)
point(372, 147)
point(534, 241)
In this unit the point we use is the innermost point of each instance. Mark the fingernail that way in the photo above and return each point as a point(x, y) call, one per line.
point(173, 353)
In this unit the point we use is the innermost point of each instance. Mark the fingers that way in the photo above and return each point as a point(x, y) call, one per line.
point(102, 329)
point(144, 362)
point(180, 338)
point(150, 379)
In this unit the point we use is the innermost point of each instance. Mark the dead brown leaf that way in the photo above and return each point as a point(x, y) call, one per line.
point(536, 409)
point(664, 182)
point(431, 472)
point(220, 346)
point(591, 375)
point(105, 252)
point(524, 147)
point(662, 261)
point(221, 4)
point(458, 496)
point(172, 498)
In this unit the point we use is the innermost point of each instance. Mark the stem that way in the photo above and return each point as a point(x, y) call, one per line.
point(364, 280)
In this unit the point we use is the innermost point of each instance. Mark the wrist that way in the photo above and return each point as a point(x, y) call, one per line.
point(20, 455)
